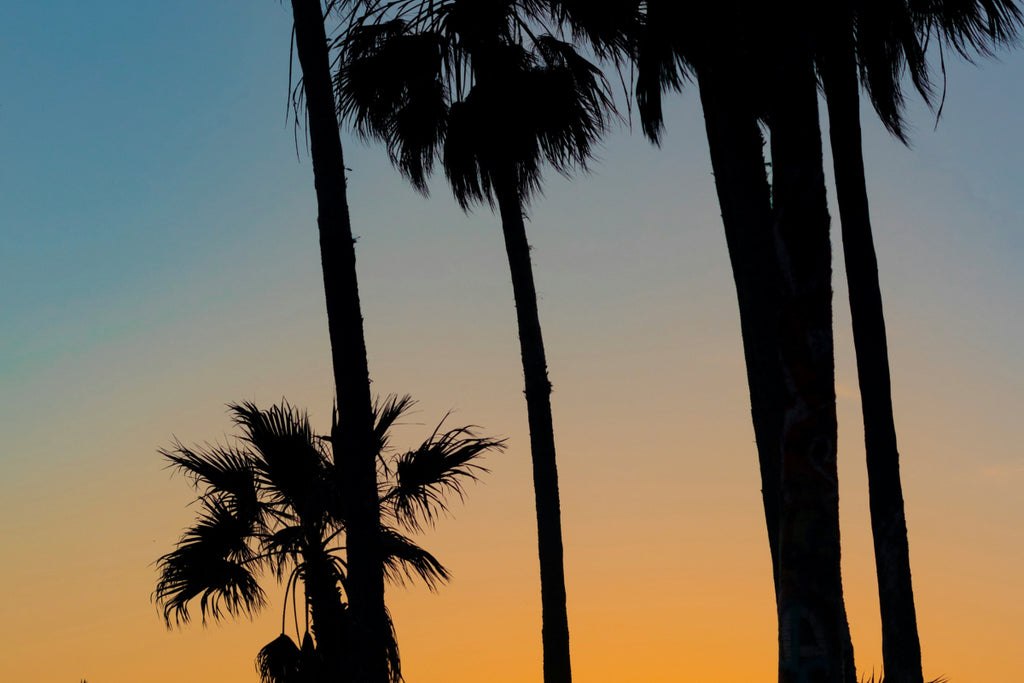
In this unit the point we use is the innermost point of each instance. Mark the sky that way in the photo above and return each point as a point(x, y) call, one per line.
point(159, 259)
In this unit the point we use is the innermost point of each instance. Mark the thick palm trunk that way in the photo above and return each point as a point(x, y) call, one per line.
point(328, 617)
point(737, 160)
point(901, 647)
point(554, 617)
point(810, 601)
point(353, 441)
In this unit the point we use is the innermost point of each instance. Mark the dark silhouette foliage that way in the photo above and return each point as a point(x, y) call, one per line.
point(270, 504)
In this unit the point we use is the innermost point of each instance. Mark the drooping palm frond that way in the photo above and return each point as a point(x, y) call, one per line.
point(280, 661)
point(609, 27)
point(394, 659)
point(969, 26)
point(284, 548)
point(403, 560)
point(660, 64)
point(475, 85)
point(571, 103)
point(390, 87)
point(887, 44)
point(213, 562)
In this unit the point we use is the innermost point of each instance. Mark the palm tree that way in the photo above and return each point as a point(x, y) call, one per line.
point(753, 65)
point(879, 40)
point(271, 504)
point(354, 454)
point(476, 86)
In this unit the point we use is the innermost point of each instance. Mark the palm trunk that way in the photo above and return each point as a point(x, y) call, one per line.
point(901, 647)
point(738, 163)
point(328, 617)
point(737, 160)
point(353, 442)
point(554, 617)
point(810, 598)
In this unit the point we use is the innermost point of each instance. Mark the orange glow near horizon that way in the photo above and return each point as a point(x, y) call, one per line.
point(160, 259)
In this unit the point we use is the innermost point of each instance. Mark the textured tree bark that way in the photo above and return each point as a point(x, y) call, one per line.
point(554, 616)
point(901, 646)
point(353, 440)
point(810, 600)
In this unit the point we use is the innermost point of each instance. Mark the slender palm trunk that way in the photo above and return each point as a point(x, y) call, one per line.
point(901, 647)
point(810, 600)
point(554, 617)
point(353, 442)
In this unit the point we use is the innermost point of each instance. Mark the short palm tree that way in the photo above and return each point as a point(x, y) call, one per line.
point(480, 88)
point(270, 505)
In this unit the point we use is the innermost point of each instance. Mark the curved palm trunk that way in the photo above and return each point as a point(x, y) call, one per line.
point(810, 599)
point(353, 442)
point(737, 161)
point(554, 617)
point(901, 647)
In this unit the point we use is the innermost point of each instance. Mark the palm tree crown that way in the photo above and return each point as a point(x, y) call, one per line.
point(270, 503)
point(473, 85)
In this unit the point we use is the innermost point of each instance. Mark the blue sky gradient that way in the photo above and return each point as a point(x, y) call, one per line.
point(159, 258)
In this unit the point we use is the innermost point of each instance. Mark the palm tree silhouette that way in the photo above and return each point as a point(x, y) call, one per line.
point(878, 40)
point(354, 453)
point(753, 64)
point(271, 505)
point(478, 87)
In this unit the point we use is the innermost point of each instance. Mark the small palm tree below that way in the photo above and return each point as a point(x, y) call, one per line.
point(269, 506)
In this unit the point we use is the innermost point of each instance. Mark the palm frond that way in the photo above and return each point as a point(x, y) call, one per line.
point(610, 27)
point(394, 660)
point(440, 466)
point(969, 26)
point(222, 470)
point(284, 548)
point(293, 469)
point(404, 560)
point(887, 45)
point(390, 88)
point(280, 661)
point(385, 415)
point(572, 99)
point(211, 561)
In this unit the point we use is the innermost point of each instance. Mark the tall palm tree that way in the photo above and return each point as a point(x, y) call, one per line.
point(271, 504)
point(476, 86)
point(354, 453)
point(874, 38)
point(878, 40)
point(754, 68)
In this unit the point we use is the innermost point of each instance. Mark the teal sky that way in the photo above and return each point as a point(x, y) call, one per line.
point(158, 258)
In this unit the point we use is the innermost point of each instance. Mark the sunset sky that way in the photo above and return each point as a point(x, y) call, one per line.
point(159, 259)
